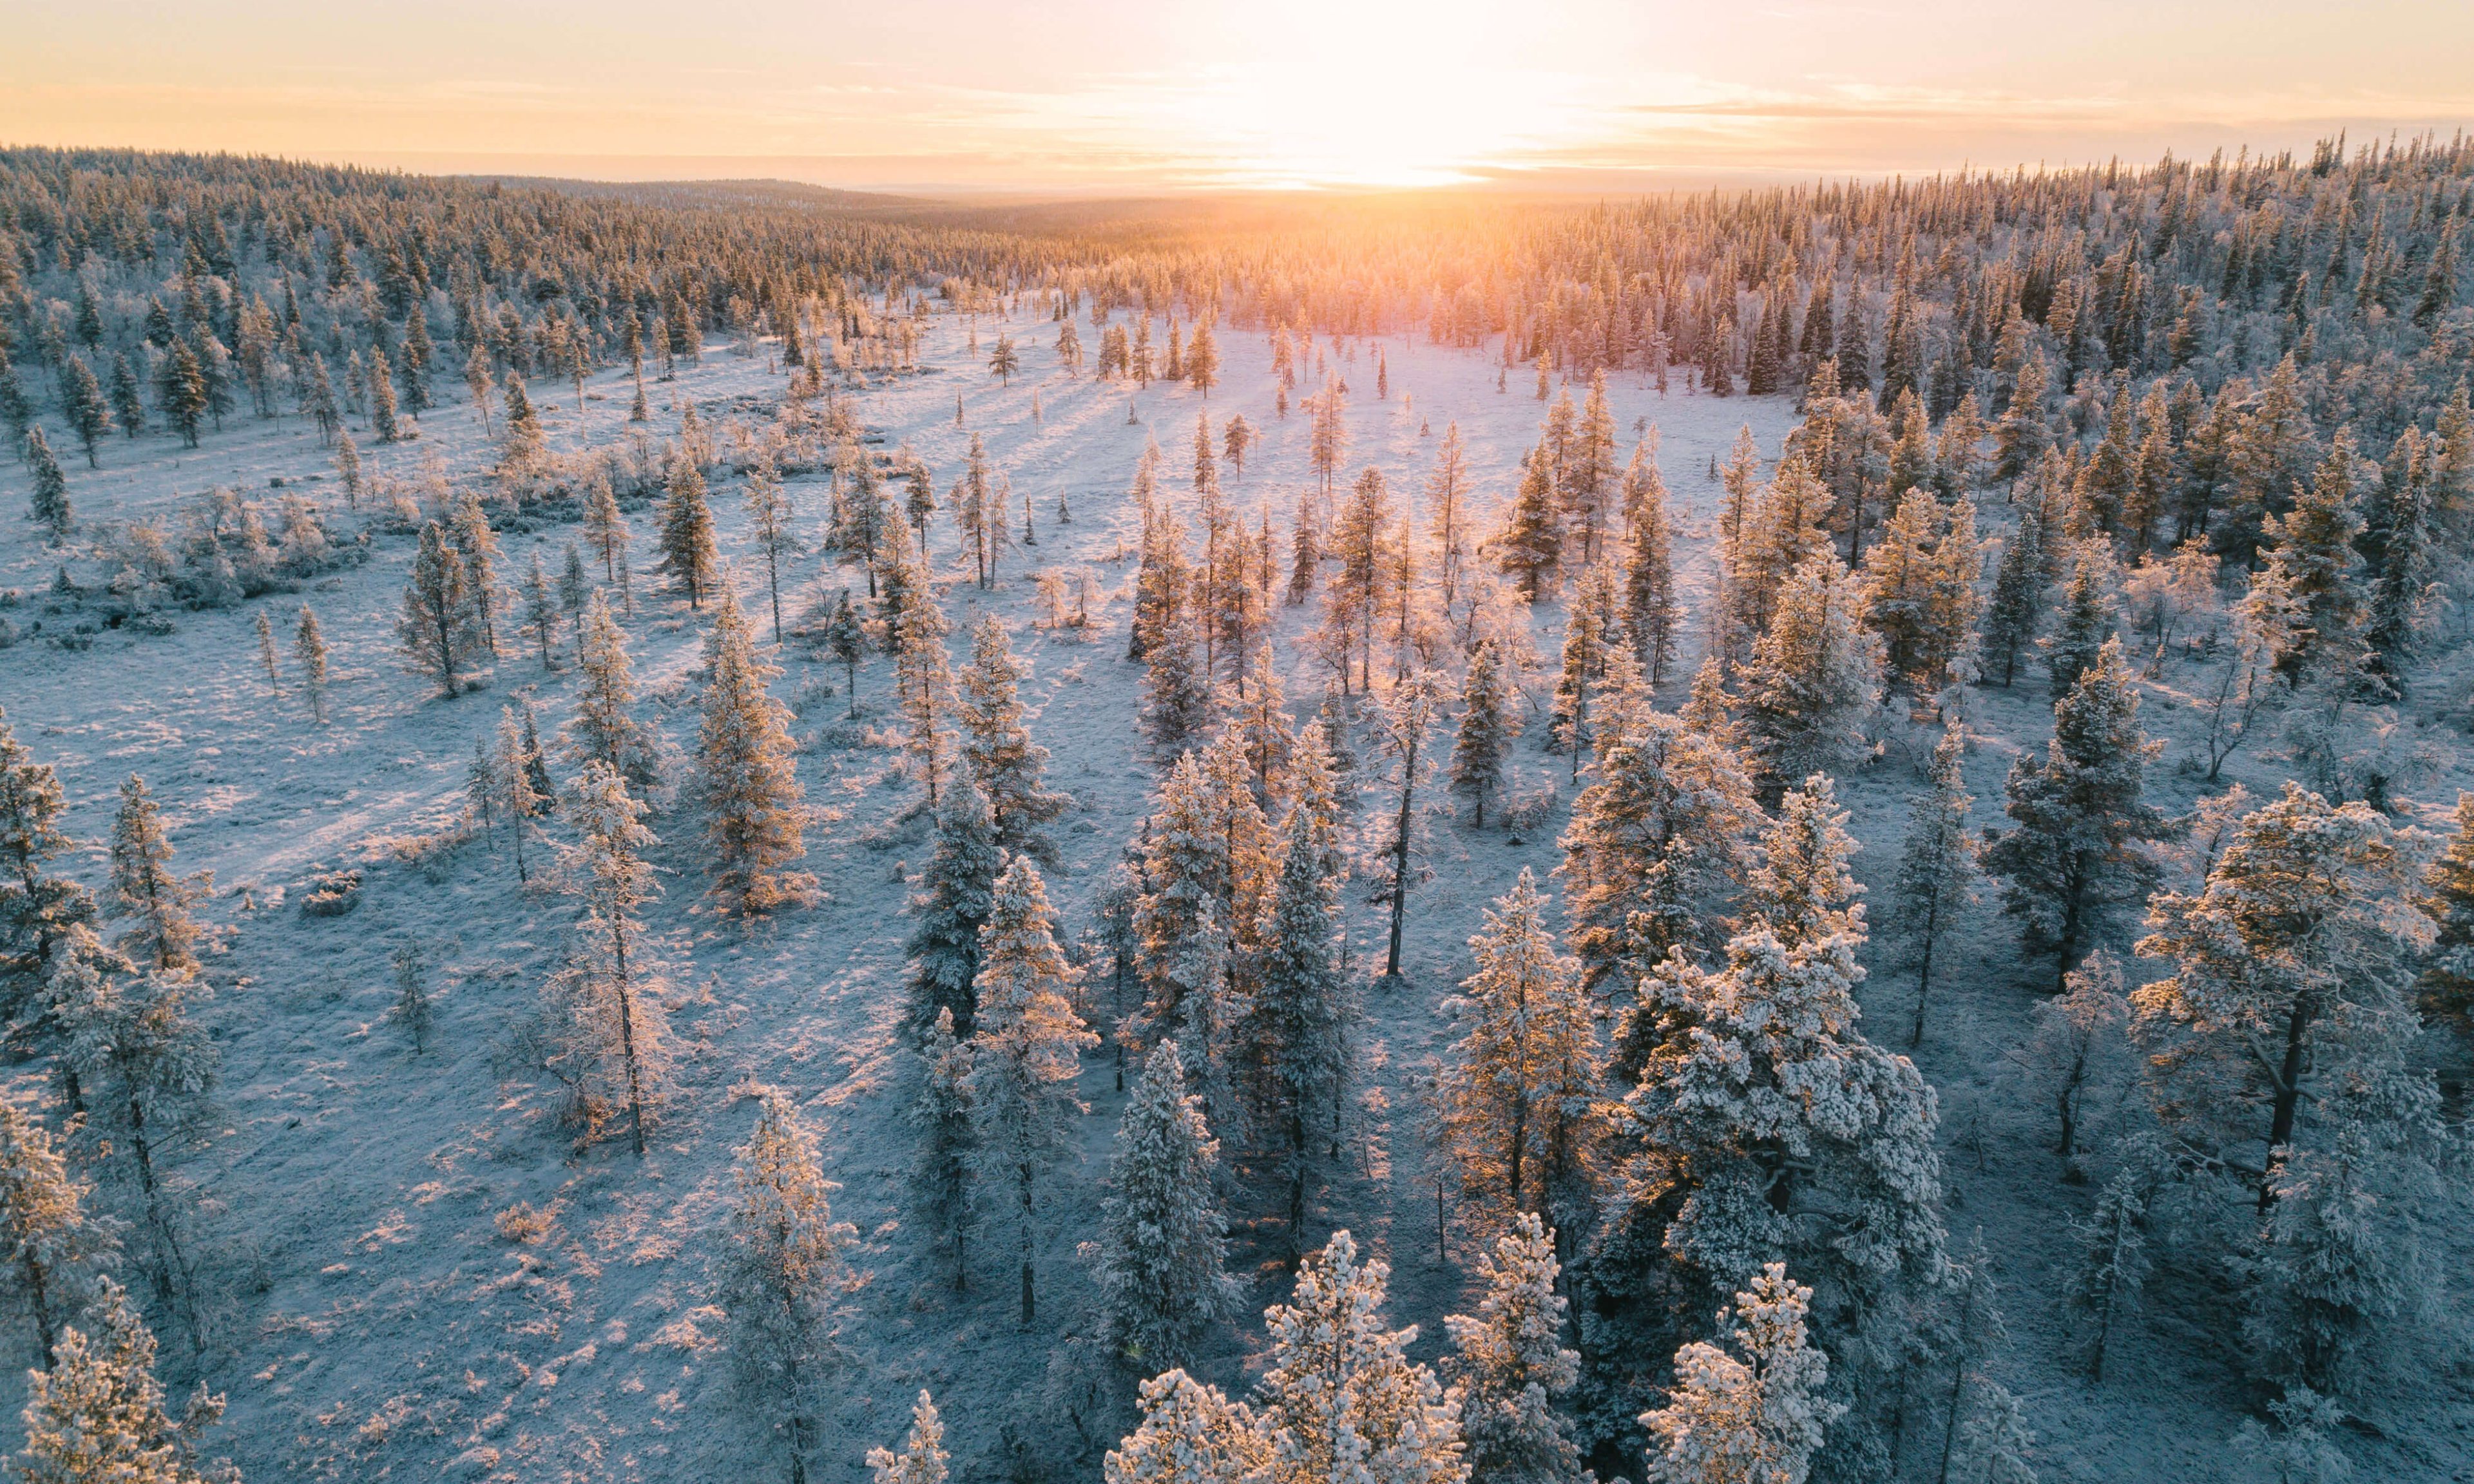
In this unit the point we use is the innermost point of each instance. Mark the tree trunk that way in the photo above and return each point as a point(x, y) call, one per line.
point(2288, 1093)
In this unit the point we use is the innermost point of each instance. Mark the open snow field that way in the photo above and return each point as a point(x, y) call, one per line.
point(379, 1326)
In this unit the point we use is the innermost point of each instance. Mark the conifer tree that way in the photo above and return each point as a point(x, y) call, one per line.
point(1005, 763)
point(605, 529)
point(2313, 564)
point(1937, 866)
point(520, 449)
point(347, 467)
point(1653, 616)
point(604, 728)
point(746, 773)
point(412, 1006)
point(128, 403)
point(1976, 1332)
point(540, 609)
point(609, 1030)
point(922, 1459)
point(1447, 498)
point(953, 905)
point(88, 409)
point(309, 648)
point(1759, 1419)
point(769, 517)
point(515, 760)
point(1176, 693)
point(50, 502)
point(1661, 829)
point(38, 909)
point(1517, 1089)
point(940, 1180)
point(1408, 713)
point(97, 1411)
point(2088, 617)
point(688, 551)
point(155, 901)
point(1509, 1365)
point(1815, 676)
point(2101, 1288)
point(1190, 1434)
point(47, 1238)
point(1163, 1239)
point(382, 404)
point(1024, 1053)
point(1487, 726)
point(1530, 545)
point(182, 392)
point(318, 402)
point(923, 676)
point(1202, 360)
point(2080, 815)
point(440, 632)
point(1340, 1396)
point(266, 656)
point(784, 1261)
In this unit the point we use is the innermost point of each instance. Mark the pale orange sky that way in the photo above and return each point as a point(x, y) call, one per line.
point(1106, 95)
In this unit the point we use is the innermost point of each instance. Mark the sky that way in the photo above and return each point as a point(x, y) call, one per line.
point(1117, 97)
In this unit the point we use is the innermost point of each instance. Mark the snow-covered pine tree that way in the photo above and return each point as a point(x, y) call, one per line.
point(2016, 609)
point(1937, 864)
point(1759, 1419)
point(846, 640)
point(1518, 1089)
point(48, 1241)
point(36, 908)
point(97, 1411)
point(2313, 558)
point(2088, 617)
point(49, 504)
point(1659, 832)
point(687, 551)
point(1487, 724)
point(745, 776)
point(1182, 930)
point(1653, 615)
point(511, 765)
point(1530, 543)
point(770, 521)
point(1006, 764)
point(1190, 1434)
point(922, 1459)
point(609, 1036)
point(784, 1261)
point(2444, 992)
point(940, 1177)
point(1176, 693)
point(2101, 1288)
point(605, 529)
point(146, 893)
point(923, 677)
point(604, 728)
point(1815, 675)
point(412, 1006)
point(1161, 1259)
point(267, 660)
point(540, 609)
point(1025, 1052)
point(952, 904)
point(1976, 1333)
point(2081, 819)
point(1408, 711)
point(1509, 1365)
point(1339, 1395)
point(476, 548)
point(309, 647)
point(439, 631)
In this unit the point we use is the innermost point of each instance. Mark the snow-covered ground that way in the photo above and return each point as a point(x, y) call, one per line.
point(378, 1326)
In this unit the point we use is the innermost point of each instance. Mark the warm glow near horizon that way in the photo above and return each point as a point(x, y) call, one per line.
point(1087, 95)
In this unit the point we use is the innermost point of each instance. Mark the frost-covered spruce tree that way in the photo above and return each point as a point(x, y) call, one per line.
point(476, 548)
point(2081, 817)
point(610, 1037)
point(2283, 1047)
point(1653, 615)
point(1006, 764)
point(923, 678)
point(1976, 1333)
point(846, 640)
point(784, 1261)
point(952, 904)
point(1768, 1129)
point(605, 530)
point(2088, 615)
point(604, 728)
point(36, 907)
point(745, 776)
point(1407, 712)
point(267, 659)
point(2445, 991)
point(1190, 1434)
point(1487, 724)
point(1340, 1397)
point(2103, 1285)
point(1510, 1366)
point(1296, 1026)
point(940, 1177)
point(2402, 600)
point(1937, 864)
point(1176, 693)
point(1530, 543)
point(688, 551)
point(574, 590)
point(541, 611)
point(97, 1412)
point(1661, 830)
point(922, 1459)
point(143, 1067)
point(440, 629)
point(1162, 1255)
point(1759, 1420)
point(514, 757)
point(769, 517)
point(49, 505)
point(309, 648)
point(1181, 926)
point(1518, 1088)
point(1026, 1052)
point(146, 893)
point(2016, 609)
point(1815, 675)
point(49, 1243)
point(412, 1001)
